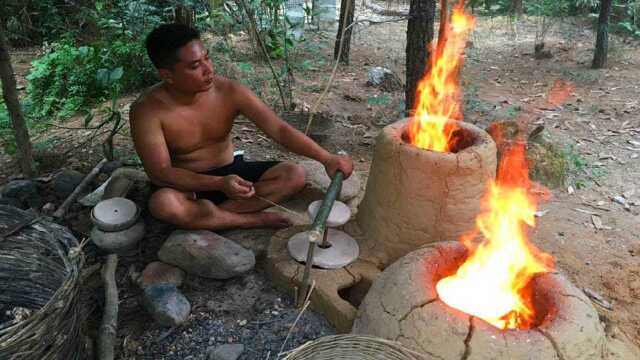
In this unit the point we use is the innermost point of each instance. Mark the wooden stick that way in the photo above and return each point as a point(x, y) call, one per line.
point(74, 195)
point(109, 326)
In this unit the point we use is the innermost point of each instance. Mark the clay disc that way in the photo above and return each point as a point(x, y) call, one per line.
point(338, 216)
point(342, 252)
point(114, 214)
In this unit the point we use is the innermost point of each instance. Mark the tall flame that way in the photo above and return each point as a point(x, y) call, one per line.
point(438, 92)
point(492, 282)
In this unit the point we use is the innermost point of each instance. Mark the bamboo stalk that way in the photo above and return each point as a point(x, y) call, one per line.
point(318, 229)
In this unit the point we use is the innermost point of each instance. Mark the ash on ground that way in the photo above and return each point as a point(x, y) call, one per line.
point(245, 310)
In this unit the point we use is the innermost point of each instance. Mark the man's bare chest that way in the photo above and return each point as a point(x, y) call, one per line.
point(188, 130)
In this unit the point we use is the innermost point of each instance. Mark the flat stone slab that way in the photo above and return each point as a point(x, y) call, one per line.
point(352, 281)
point(115, 214)
point(206, 254)
point(343, 249)
point(119, 242)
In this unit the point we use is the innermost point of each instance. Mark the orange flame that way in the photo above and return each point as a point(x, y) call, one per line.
point(438, 92)
point(492, 283)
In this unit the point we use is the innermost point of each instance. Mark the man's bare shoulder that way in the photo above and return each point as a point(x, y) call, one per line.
point(148, 103)
point(225, 85)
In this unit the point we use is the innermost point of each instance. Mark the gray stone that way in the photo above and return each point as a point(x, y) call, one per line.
point(206, 254)
point(24, 191)
point(384, 79)
point(93, 198)
point(66, 181)
point(317, 179)
point(118, 241)
point(111, 166)
point(225, 352)
point(11, 202)
point(166, 304)
point(160, 273)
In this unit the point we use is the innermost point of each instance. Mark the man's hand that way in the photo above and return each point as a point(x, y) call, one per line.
point(343, 163)
point(236, 187)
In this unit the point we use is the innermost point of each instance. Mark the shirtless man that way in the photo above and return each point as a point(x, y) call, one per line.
point(181, 131)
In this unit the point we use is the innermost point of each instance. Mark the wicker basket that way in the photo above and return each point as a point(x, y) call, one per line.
point(353, 347)
point(39, 272)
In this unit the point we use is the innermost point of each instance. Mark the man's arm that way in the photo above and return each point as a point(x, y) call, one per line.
point(151, 146)
point(283, 133)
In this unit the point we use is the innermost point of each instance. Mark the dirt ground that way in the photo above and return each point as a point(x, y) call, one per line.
point(595, 240)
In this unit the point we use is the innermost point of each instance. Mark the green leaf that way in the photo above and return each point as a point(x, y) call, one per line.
point(103, 77)
point(246, 67)
point(116, 74)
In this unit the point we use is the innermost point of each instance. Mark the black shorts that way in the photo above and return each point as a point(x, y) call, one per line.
point(248, 170)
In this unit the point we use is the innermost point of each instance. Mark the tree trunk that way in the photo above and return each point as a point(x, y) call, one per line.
point(10, 95)
point(487, 5)
point(602, 40)
point(183, 15)
point(347, 8)
point(419, 35)
point(516, 8)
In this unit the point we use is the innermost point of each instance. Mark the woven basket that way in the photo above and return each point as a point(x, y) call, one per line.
point(340, 347)
point(39, 272)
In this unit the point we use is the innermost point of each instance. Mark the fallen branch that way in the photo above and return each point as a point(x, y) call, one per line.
point(59, 213)
point(386, 12)
point(109, 325)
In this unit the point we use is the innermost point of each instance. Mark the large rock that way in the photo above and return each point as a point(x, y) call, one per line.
point(207, 254)
point(317, 179)
point(24, 194)
point(160, 273)
point(384, 79)
point(225, 352)
point(111, 166)
point(66, 181)
point(166, 304)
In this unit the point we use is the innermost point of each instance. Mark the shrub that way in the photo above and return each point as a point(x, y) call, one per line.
point(66, 79)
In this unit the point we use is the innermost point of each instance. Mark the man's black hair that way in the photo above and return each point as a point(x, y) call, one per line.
point(164, 42)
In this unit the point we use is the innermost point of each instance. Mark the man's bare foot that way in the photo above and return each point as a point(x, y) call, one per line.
point(271, 220)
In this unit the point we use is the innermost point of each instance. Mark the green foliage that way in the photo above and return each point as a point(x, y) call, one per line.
point(630, 24)
point(68, 78)
point(575, 160)
point(31, 22)
point(549, 8)
point(381, 99)
point(579, 168)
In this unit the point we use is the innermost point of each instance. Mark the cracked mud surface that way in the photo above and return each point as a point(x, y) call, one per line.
point(402, 305)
